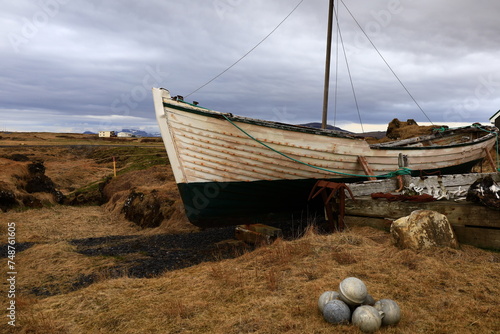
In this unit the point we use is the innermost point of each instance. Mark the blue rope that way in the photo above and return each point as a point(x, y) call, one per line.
point(400, 171)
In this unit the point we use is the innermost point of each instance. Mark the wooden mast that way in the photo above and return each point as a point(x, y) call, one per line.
point(327, 64)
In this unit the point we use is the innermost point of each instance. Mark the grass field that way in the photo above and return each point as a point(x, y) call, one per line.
point(272, 289)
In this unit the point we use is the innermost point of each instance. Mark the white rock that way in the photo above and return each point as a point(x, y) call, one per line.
point(423, 229)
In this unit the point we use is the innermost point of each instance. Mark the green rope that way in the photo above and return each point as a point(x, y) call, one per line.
point(478, 126)
point(400, 171)
point(440, 129)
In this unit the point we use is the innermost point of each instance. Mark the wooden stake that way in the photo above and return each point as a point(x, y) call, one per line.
point(490, 159)
point(114, 166)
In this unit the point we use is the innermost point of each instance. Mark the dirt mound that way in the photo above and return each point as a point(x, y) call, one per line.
point(7, 198)
point(403, 130)
point(149, 198)
point(26, 185)
point(91, 195)
point(37, 182)
point(145, 209)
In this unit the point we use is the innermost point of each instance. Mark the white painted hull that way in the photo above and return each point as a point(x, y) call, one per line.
point(207, 149)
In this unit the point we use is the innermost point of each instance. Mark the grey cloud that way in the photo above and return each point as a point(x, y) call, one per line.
point(69, 63)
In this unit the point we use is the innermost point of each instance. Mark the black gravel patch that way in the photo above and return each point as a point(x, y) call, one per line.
point(157, 253)
point(19, 247)
point(17, 157)
point(140, 256)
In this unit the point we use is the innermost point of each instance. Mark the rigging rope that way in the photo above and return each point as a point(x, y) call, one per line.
point(336, 77)
point(387, 64)
point(349, 72)
point(400, 171)
point(246, 54)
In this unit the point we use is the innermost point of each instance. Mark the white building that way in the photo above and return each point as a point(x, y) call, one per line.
point(125, 134)
point(107, 134)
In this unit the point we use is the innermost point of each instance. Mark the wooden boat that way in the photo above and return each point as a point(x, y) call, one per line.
point(237, 170)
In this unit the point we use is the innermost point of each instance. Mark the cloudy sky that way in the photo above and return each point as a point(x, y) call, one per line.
point(89, 65)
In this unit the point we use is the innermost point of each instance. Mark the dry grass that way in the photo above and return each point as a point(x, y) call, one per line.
point(56, 268)
point(60, 223)
point(273, 289)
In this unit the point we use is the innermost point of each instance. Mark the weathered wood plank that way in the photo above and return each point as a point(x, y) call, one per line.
point(370, 187)
point(456, 180)
point(482, 237)
point(478, 237)
point(463, 213)
point(379, 223)
point(474, 236)
point(449, 182)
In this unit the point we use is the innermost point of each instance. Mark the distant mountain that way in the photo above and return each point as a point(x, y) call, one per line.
point(317, 125)
point(140, 133)
point(134, 132)
point(374, 134)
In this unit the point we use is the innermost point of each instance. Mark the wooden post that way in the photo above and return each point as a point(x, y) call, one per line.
point(366, 167)
point(114, 166)
point(403, 180)
point(327, 65)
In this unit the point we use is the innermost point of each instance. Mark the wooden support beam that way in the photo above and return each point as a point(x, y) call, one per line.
point(490, 159)
point(479, 237)
point(462, 213)
point(379, 223)
point(366, 167)
point(473, 224)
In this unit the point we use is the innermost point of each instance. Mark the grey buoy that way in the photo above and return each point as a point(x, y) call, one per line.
point(325, 298)
point(353, 291)
point(367, 318)
point(392, 312)
point(336, 312)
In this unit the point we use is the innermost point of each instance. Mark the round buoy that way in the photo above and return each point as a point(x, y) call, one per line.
point(369, 300)
point(336, 312)
point(352, 291)
point(367, 318)
point(325, 298)
point(392, 312)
